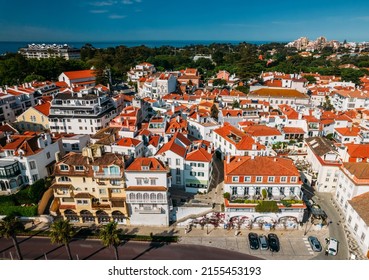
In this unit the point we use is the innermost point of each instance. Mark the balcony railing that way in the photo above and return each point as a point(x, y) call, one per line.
point(107, 175)
point(148, 210)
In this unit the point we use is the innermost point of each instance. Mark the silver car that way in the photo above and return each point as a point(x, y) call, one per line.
point(315, 244)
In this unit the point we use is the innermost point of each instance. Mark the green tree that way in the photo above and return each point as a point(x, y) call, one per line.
point(61, 232)
point(9, 227)
point(109, 236)
point(214, 111)
point(235, 104)
point(327, 104)
point(311, 79)
point(219, 82)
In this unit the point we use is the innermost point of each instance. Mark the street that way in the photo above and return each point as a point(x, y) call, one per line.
point(40, 248)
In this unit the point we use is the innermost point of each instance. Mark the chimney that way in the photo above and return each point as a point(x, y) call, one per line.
point(254, 147)
point(209, 149)
point(57, 157)
point(275, 159)
point(228, 158)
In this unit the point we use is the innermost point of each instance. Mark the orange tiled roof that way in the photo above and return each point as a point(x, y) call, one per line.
point(128, 142)
point(261, 130)
point(348, 131)
point(271, 92)
point(293, 130)
point(81, 74)
point(152, 163)
point(259, 166)
point(358, 150)
point(146, 188)
point(199, 154)
point(43, 108)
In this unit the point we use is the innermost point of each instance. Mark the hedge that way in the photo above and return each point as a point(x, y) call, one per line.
point(267, 206)
point(24, 211)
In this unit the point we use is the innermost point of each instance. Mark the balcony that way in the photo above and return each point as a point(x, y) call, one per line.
point(104, 175)
point(148, 210)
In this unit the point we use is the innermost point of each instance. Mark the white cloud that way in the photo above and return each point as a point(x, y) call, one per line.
point(98, 11)
point(103, 3)
point(117, 16)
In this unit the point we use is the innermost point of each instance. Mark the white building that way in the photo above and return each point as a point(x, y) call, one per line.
point(352, 196)
point(198, 169)
point(147, 192)
point(358, 222)
point(325, 163)
point(201, 125)
point(141, 70)
point(40, 51)
point(128, 146)
point(74, 143)
point(85, 112)
point(278, 96)
point(344, 100)
point(35, 154)
point(249, 179)
point(231, 141)
point(157, 86)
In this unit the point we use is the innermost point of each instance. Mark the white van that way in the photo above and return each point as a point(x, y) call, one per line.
point(332, 247)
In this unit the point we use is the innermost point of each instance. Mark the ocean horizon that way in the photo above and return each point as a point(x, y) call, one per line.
point(13, 47)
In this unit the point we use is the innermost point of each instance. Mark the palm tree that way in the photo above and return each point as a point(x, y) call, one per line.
point(109, 236)
point(9, 227)
point(61, 232)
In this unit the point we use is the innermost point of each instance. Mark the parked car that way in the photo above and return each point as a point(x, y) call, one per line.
point(315, 244)
point(253, 241)
point(263, 240)
point(332, 247)
point(273, 242)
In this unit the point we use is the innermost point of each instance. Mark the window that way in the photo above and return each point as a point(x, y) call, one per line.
point(48, 155)
point(257, 190)
point(64, 179)
point(193, 164)
point(201, 174)
point(139, 181)
point(169, 161)
point(178, 161)
point(294, 179)
point(32, 165)
point(152, 182)
point(34, 177)
point(362, 237)
point(178, 179)
point(64, 167)
point(259, 179)
point(193, 173)
point(102, 191)
point(281, 190)
point(349, 220)
point(292, 190)
point(247, 179)
point(116, 191)
point(115, 182)
point(79, 168)
point(356, 227)
point(271, 179)
point(283, 179)
point(235, 179)
point(75, 147)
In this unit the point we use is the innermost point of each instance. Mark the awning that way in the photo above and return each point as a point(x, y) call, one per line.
point(201, 182)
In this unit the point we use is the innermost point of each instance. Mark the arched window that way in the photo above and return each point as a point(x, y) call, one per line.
point(139, 197)
point(132, 197)
point(64, 179)
point(114, 170)
point(13, 183)
point(160, 197)
point(152, 197)
point(146, 197)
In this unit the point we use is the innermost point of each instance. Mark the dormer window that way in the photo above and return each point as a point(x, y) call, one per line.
point(79, 168)
point(64, 167)
point(145, 167)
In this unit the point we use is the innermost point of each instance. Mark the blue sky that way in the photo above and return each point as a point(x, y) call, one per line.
point(119, 20)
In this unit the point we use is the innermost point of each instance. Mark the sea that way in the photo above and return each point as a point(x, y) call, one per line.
point(13, 47)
